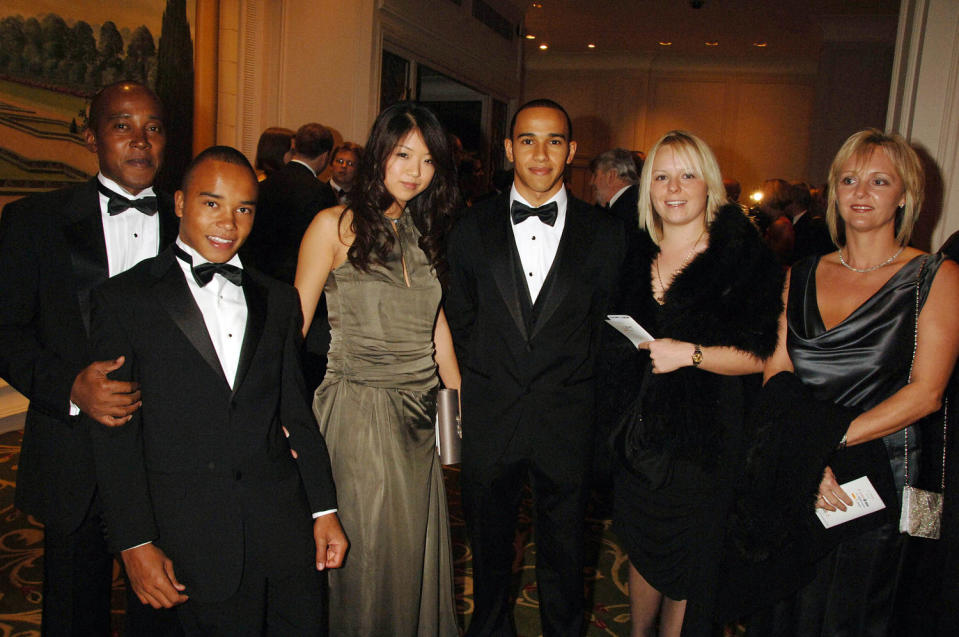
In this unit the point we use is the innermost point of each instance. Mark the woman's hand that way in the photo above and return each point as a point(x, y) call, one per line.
point(668, 355)
point(831, 496)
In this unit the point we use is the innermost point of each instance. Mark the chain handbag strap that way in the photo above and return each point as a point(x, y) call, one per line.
point(945, 408)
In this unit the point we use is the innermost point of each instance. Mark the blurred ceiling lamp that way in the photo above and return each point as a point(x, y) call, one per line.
point(757, 196)
point(537, 5)
point(530, 36)
point(590, 46)
point(543, 46)
point(665, 43)
point(760, 44)
point(711, 43)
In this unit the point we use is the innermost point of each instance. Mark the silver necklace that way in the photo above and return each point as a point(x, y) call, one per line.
point(873, 268)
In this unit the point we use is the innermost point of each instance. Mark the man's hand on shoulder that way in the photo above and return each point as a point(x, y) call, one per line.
point(109, 402)
point(331, 542)
point(151, 576)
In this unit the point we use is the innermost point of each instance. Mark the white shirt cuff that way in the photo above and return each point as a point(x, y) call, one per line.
point(320, 514)
point(138, 545)
point(74, 410)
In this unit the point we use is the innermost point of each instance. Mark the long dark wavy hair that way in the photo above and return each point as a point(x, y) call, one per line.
point(432, 210)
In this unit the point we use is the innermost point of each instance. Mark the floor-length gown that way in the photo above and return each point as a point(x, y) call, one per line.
point(376, 407)
point(859, 362)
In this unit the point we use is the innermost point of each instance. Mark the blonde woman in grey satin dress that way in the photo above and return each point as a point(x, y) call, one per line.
point(380, 259)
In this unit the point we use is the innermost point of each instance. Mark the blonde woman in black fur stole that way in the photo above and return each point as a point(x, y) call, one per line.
point(710, 292)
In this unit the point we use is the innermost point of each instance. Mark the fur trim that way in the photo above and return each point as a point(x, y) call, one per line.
point(729, 295)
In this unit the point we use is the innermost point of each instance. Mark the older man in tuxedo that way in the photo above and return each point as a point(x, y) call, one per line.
point(54, 249)
point(531, 275)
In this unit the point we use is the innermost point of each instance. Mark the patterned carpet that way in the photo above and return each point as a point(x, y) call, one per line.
point(21, 554)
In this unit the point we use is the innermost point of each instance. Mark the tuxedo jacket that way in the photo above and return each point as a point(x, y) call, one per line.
point(200, 464)
point(528, 369)
point(287, 202)
point(52, 254)
point(625, 208)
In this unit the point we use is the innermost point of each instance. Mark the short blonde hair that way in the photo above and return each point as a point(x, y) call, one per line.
point(908, 166)
point(700, 160)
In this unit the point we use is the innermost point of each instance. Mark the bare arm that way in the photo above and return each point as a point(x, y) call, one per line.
point(668, 355)
point(321, 250)
point(935, 359)
point(445, 356)
point(780, 361)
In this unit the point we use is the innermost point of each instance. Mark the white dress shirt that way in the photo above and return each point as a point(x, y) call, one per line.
point(223, 306)
point(537, 242)
point(130, 236)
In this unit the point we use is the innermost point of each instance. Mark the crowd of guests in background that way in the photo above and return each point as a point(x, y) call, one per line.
point(799, 342)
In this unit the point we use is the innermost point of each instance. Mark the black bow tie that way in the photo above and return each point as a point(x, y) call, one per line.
point(118, 203)
point(546, 213)
point(204, 272)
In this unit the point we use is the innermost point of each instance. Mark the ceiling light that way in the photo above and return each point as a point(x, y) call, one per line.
point(712, 43)
point(760, 43)
point(757, 196)
point(537, 5)
point(530, 36)
point(665, 43)
point(590, 46)
point(543, 46)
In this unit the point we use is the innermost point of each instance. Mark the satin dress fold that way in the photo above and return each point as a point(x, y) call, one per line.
point(376, 408)
point(859, 362)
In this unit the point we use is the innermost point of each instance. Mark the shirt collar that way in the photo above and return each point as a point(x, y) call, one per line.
point(116, 188)
point(335, 185)
point(303, 163)
point(199, 258)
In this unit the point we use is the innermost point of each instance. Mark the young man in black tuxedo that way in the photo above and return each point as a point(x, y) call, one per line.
point(202, 497)
point(55, 248)
point(531, 274)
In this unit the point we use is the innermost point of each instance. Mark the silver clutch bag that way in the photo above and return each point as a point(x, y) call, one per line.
point(449, 431)
point(921, 513)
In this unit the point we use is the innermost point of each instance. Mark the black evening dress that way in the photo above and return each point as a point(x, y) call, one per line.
point(857, 363)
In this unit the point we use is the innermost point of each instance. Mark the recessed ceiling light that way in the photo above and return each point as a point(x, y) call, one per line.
point(760, 43)
point(665, 43)
point(590, 46)
point(543, 46)
point(712, 43)
point(530, 36)
point(537, 5)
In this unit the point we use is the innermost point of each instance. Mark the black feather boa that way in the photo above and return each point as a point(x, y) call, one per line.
point(729, 295)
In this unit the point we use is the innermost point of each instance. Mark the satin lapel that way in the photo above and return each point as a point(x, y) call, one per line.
point(88, 250)
point(571, 253)
point(497, 240)
point(173, 294)
point(256, 304)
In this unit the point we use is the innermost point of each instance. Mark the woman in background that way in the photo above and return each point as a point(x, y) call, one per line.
point(273, 151)
point(710, 291)
point(848, 334)
point(380, 260)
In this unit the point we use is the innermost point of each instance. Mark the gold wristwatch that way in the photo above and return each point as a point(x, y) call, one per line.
point(697, 356)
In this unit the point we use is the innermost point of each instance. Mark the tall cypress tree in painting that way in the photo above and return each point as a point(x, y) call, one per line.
point(175, 88)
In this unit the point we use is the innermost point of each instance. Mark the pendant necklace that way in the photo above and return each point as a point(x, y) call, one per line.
point(661, 297)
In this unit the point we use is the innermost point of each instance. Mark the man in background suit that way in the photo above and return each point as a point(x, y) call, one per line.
point(531, 274)
point(201, 495)
point(346, 161)
point(289, 198)
point(615, 181)
point(54, 249)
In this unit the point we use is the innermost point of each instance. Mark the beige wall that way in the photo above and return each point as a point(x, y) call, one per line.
point(756, 119)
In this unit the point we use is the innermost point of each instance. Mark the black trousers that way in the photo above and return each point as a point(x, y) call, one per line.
point(491, 501)
point(77, 580)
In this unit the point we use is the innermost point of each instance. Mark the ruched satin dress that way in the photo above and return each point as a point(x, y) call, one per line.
point(857, 363)
point(376, 408)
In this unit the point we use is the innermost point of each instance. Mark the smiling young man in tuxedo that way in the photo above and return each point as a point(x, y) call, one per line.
point(55, 248)
point(531, 274)
point(202, 498)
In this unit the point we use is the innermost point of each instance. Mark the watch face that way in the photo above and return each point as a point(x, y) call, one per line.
point(697, 356)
